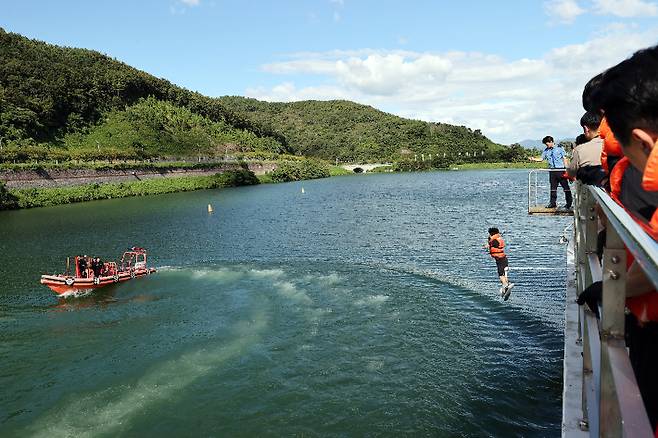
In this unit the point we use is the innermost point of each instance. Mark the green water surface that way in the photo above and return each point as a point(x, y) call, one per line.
point(363, 306)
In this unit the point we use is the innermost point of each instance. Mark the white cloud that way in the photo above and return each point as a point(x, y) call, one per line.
point(337, 4)
point(180, 6)
point(508, 99)
point(375, 74)
point(563, 11)
point(626, 8)
point(566, 11)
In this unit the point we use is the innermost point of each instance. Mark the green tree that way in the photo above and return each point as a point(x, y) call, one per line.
point(300, 170)
point(7, 200)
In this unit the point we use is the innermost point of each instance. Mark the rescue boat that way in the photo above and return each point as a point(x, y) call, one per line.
point(89, 274)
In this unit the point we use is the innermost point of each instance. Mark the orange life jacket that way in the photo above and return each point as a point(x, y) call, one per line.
point(616, 178)
point(499, 252)
point(611, 147)
point(644, 307)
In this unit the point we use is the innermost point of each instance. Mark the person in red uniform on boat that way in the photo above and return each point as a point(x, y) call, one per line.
point(496, 246)
point(96, 266)
point(82, 264)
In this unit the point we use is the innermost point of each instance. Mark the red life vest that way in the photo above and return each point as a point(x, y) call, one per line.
point(499, 252)
point(644, 307)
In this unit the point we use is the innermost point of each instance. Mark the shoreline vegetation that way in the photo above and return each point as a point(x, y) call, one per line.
point(48, 197)
point(301, 169)
point(512, 165)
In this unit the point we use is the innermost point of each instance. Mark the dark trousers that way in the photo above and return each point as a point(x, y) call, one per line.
point(555, 179)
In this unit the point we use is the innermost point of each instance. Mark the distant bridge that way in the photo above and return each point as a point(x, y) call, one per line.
point(363, 168)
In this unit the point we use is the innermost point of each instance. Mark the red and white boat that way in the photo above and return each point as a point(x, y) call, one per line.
point(92, 274)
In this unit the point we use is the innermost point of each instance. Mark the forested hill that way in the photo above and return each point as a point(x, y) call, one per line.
point(353, 132)
point(67, 103)
point(56, 96)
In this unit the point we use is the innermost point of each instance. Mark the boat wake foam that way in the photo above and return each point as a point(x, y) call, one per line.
point(372, 300)
point(108, 411)
point(75, 293)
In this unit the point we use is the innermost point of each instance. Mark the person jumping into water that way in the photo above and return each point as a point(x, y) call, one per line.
point(496, 247)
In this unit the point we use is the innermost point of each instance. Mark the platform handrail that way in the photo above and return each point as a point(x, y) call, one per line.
point(610, 398)
point(532, 187)
point(540, 188)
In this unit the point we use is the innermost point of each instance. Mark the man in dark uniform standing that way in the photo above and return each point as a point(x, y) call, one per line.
point(556, 157)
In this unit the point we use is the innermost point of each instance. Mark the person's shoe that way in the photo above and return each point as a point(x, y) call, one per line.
point(551, 206)
point(508, 291)
point(502, 291)
point(567, 207)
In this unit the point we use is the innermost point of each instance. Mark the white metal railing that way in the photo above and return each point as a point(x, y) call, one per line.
point(533, 187)
point(610, 398)
point(539, 188)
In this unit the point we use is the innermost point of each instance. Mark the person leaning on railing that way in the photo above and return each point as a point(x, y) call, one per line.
point(585, 163)
point(627, 94)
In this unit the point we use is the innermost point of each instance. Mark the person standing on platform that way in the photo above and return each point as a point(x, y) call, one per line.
point(557, 161)
point(496, 246)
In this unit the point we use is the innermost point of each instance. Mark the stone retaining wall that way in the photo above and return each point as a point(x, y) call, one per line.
point(24, 179)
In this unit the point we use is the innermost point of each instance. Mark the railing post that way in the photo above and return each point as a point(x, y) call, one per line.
point(529, 188)
point(612, 327)
point(584, 203)
point(536, 186)
point(577, 235)
point(614, 285)
point(581, 265)
point(591, 226)
point(587, 360)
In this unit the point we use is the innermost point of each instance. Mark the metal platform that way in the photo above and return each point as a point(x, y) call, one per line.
point(538, 194)
point(543, 211)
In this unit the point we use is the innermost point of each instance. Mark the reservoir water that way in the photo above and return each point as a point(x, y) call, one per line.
point(364, 306)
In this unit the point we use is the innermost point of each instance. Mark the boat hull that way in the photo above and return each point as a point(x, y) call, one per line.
point(63, 284)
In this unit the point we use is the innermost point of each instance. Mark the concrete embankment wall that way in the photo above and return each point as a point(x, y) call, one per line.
point(48, 178)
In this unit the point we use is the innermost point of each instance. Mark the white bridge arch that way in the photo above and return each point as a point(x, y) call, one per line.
point(365, 167)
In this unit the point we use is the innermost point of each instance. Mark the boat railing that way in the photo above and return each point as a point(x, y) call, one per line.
point(601, 395)
point(539, 193)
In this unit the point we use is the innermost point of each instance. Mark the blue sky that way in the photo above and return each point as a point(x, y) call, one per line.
point(514, 69)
